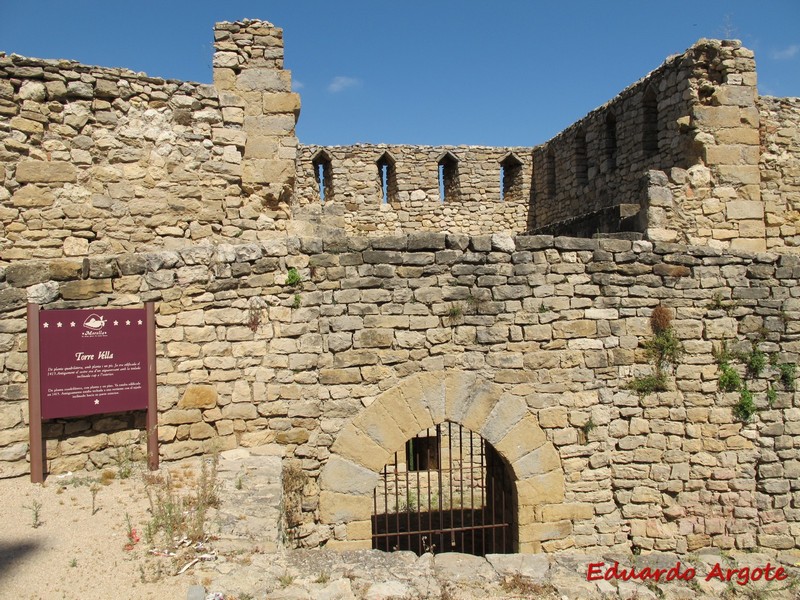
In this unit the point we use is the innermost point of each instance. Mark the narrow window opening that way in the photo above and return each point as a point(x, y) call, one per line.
point(650, 125)
point(387, 175)
point(422, 453)
point(581, 159)
point(510, 178)
point(551, 173)
point(611, 141)
point(448, 177)
point(323, 173)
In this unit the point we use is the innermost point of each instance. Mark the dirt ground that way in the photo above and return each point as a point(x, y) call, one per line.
point(82, 536)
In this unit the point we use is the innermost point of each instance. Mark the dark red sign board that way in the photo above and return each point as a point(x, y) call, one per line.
point(92, 361)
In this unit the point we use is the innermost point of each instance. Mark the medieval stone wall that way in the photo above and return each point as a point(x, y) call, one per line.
point(97, 160)
point(556, 325)
point(780, 170)
point(412, 201)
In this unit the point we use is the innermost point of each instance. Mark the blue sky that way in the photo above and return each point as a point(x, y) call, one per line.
point(511, 72)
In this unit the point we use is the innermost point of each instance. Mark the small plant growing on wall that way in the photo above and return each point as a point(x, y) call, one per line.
point(663, 350)
point(293, 278)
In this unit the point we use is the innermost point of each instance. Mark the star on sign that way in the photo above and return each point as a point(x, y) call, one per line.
point(72, 324)
point(139, 322)
point(59, 324)
point(97, 401)
point(46, 325)
point(127, 322)
point(116, 322)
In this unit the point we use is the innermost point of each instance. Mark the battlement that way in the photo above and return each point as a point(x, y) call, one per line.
point(101, 160)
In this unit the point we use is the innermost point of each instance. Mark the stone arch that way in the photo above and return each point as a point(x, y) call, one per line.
point(424, 400)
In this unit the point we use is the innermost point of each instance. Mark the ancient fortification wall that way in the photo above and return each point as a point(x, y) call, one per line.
point(534, 330)
point(273, 325)
point(98, 160)
point(476, 203)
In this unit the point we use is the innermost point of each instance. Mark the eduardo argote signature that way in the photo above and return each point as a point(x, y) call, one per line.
point(741, 576)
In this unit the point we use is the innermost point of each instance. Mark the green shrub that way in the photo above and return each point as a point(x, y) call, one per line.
point(729, 379)
point(293, 278)
point(788, 373)
point(745, 408)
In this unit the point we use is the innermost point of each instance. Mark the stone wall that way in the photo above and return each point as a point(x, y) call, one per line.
point(96, 160)
point(555, 328)
point(356, 202)
point(780, 170)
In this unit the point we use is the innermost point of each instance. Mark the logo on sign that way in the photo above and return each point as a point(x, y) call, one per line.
point(93, 326)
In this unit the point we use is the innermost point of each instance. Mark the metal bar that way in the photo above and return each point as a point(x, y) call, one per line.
point(37, 445)
point(408, 505)
point(441, 488)
point(386, 500)
point(419, 512)
point(152, 388)
point(450, 478)
point(497, 526)
point(461, 482)
point(396, 501)
point(472, 486)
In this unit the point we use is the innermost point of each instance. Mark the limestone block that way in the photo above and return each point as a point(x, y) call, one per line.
point(541, 489)
point(181, 416)
point(744, 209)
point(267, 170)
point(502, 418)
point(524, 436)
point(201, 431)
point(345, 477)
point(26, 126)
point(344, 508)
point(40, 171)
point(749, 244)
point(395, 405)
point(265, 80)
point(339, 376)
point(357, 446)
point(29, 196)
point(378, 425)
point(198, 396)
point(262, 146)
point(281, 103)
point(544, 531)
point(75, 246)
point(541, 460)
point(85, 289)
point(235, 137)
point(459, 389)
point(269, 125)
point(347, 545)
point(83, 444)
point(572, 511)
point(359, 530)
point(574, 329)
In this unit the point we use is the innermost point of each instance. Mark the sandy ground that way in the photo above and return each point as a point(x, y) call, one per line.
point(75, 553)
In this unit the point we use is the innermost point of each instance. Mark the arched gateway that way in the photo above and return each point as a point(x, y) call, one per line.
point(422, 403)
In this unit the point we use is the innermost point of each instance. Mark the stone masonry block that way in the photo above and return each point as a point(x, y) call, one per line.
point(346, 477)
point(379, 425)
point(502, 418)
point(459, 386)
point(264, 80)
point(524, 436)
point(481, 405)
point(744, 209)
point(541, 460)
point(541, 489)
point(545, 531)
point(573, 511)
point(198, 396)
point(428, 390)
point(357, 446)
point(343, 508)
point(395, 404)
point(359, 530)
point(41, 171)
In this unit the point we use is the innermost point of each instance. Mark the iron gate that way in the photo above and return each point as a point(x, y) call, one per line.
point(447, 491)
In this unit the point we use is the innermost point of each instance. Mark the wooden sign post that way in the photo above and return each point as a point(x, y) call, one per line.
point(90, 361)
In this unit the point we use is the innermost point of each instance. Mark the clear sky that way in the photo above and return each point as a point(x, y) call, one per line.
point(485, 72)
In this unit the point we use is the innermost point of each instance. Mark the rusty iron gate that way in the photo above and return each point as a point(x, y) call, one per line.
point(447, 491)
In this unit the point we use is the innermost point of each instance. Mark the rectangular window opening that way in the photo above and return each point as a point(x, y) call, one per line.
point(422, 453)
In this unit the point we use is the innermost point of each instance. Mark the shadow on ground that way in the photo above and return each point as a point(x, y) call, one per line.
point(11, 554)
